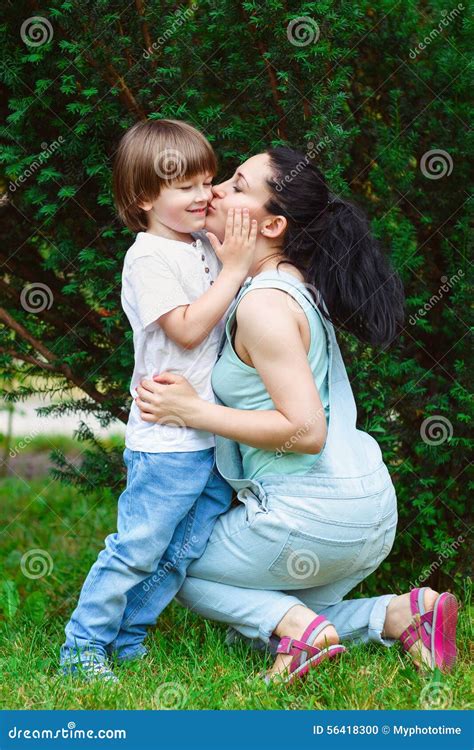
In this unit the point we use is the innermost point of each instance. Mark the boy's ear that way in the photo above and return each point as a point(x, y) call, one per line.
point(146, 205)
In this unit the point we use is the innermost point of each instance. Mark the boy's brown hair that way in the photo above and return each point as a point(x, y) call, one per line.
point(153, 153)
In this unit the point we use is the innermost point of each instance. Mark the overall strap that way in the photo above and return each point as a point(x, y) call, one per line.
point(340, 391)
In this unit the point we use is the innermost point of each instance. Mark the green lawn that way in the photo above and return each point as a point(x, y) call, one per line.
point(200, 672)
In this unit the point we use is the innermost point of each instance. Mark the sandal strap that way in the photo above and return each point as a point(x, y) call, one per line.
point(409, 636)
point(301, 650)
point(294, 647)
point(420, 614)
point(416, 630)
point(314, 628)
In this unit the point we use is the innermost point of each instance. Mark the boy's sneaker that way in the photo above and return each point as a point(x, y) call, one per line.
point(90, 667)
point(127, 657)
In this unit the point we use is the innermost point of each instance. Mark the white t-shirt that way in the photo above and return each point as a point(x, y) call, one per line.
point(160, 274)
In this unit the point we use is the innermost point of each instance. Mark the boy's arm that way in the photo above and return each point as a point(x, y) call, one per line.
point(189, 325)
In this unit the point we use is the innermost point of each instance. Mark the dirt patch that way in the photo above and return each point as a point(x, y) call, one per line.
point(34, 465)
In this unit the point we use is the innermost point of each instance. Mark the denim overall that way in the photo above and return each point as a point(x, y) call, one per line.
point(292, 539)
point(300, 539)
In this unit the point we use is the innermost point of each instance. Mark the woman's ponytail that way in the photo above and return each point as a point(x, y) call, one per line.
point(330, 240)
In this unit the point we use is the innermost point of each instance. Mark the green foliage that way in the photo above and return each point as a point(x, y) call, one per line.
point(364, 90)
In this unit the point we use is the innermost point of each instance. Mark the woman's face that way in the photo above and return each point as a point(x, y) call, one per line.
point(245, 189)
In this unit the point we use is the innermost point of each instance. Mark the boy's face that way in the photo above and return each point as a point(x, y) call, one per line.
point(181, 205)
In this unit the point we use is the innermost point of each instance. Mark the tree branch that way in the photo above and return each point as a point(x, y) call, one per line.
point(140, 5)
point(114, 78)
point(60, 367)
point(28, 358)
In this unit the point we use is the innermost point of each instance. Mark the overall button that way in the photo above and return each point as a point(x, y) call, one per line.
point(203, 257)
point(211, 282)
point(206, 269)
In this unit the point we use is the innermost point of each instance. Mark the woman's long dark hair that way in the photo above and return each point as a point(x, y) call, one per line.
point(329, 240)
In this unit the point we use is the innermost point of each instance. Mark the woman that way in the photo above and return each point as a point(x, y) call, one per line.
point(318, 509)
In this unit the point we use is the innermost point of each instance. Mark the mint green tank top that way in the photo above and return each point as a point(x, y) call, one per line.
point(239, 386)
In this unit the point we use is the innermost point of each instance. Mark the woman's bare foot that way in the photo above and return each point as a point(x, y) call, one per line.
point(293, 624)
point(399, 617)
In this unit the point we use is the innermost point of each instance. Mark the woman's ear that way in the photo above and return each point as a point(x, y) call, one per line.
point(273, 226)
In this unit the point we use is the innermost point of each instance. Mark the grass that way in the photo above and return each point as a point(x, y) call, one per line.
point(196, 672)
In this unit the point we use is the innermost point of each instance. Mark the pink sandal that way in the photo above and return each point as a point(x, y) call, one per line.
point(306, 656)
point(437, 628)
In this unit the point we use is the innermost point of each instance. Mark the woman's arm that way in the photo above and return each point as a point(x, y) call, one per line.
point(272, 337)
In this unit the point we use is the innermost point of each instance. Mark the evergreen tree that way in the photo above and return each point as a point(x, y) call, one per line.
point(377, 90)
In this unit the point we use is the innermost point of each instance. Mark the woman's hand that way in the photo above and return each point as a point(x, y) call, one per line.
point(168, 398)
point(237, 251)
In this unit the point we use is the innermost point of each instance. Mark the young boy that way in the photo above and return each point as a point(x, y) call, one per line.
point(175, 293)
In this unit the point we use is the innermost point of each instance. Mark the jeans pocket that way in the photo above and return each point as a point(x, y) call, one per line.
point(388, 540)
point(306, 560)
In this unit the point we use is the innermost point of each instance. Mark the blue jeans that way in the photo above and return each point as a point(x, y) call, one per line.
point(303, 544)
point(156, 513)
point(288, 545)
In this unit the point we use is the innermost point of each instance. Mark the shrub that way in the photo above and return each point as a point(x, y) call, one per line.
point(378, 90)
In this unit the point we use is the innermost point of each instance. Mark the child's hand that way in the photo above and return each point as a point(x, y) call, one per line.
point(238, 249)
